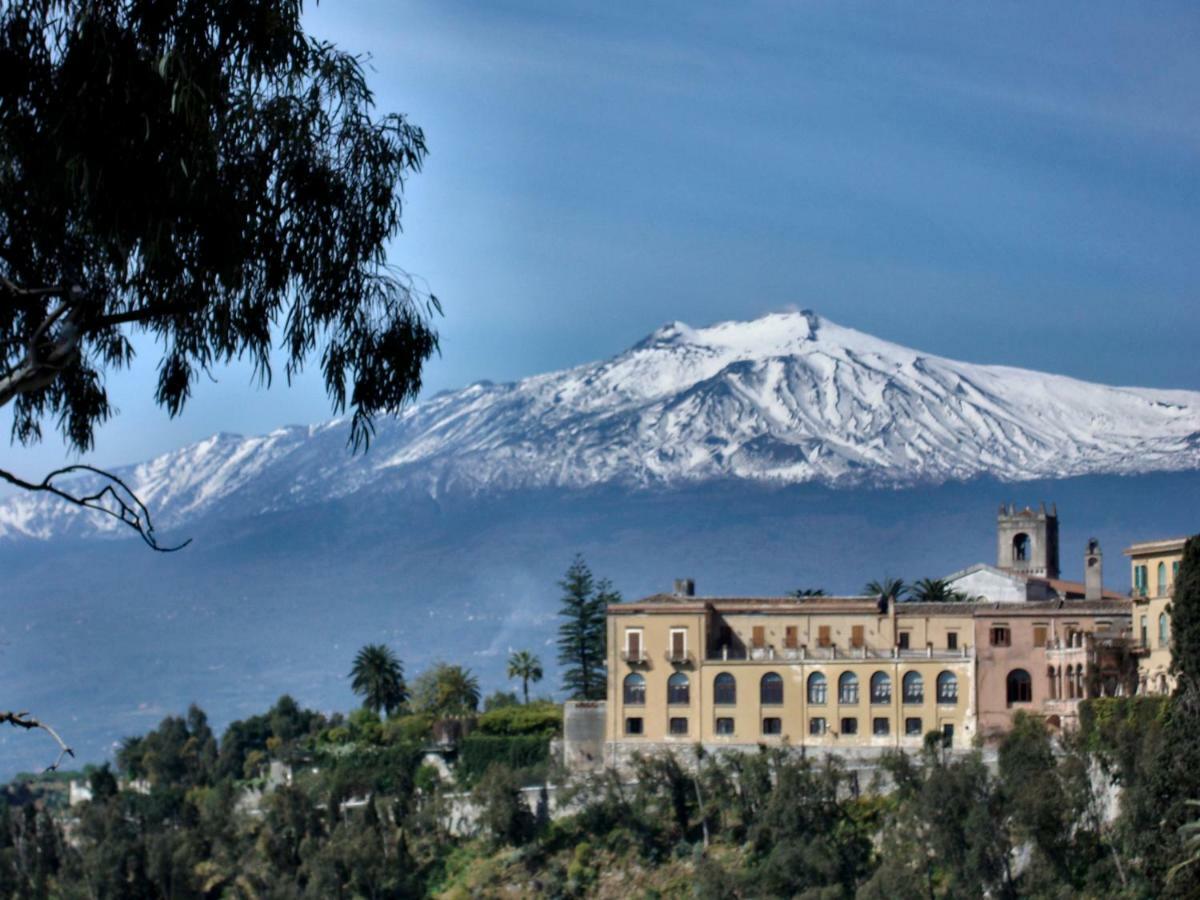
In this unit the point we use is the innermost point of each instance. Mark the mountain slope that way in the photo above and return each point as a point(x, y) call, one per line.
point(785, 399)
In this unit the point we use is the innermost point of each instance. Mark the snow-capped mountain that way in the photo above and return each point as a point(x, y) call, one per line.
point(784, 399)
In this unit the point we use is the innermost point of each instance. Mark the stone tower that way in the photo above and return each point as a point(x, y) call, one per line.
point(1027, 541)
point(1093, 571)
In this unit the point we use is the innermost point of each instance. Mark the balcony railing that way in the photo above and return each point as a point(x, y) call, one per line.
point(805, 653)
point(678, 658)
point(635, 657)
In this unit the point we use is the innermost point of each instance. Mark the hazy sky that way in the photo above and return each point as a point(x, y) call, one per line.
point(1009, 183)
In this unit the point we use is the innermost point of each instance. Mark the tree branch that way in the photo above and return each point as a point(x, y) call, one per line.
point(141, 315)
point(114, 499)
point(42, 365)
point(22, 720)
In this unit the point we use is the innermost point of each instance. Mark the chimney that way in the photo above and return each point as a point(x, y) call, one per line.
point(685, 587)
point(1093, 571)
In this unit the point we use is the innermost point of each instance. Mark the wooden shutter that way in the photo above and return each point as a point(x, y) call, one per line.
point(677, 644)
point(823, 639)
point(633, 642)
point(789, 637)
point(856, 636)
point(759, 636)
point(1039, 635)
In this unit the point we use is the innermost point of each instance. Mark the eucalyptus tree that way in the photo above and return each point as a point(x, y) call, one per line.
point(212, 177)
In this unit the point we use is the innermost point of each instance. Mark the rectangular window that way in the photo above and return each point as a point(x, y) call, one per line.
point(772, 725)
point(678, 725)
point(633, 725)
point(678, 643)
point(724, 726)
point(816, 725)
point(948, 735)
point(759, 637)
point(1039, 635)
point(856, 636)
point(1145, 631)
point(823, 638)
point(850, 725)
point(1001, 636)
point(880, 727)
point(912, 726)
point(952, 640)
point(633, 644)
point(790, 638)
point(902, 640)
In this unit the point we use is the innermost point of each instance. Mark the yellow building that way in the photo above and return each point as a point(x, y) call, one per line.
point(1155, 565)
point(845, 674)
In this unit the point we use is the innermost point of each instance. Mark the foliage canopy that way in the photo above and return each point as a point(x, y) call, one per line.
point(208, 174)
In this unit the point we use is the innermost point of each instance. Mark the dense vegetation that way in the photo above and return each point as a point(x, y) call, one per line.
point(1108, 810)
point(364, 815)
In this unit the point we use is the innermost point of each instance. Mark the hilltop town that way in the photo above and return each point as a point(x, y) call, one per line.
point(1000, 727)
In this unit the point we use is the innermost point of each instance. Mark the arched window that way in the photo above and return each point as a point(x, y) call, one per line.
point(881, 688)
point(725, 690)
point(947, 688)
point(1070, 693)
point(914, 688)
point(1020, 687)
point(770, 690)
point(1162, 630)
point(1052, 680)
point(816, 688)
point(635, 690)
point(678, 689)
point(848, 688)
point(1020, 547)
point(1162, 579)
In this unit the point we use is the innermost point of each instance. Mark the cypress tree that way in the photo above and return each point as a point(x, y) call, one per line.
point(582, 636)
point(1185, 620)
point(1175, 773)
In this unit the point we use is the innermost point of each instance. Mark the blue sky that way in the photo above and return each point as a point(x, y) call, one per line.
point(1007, 183)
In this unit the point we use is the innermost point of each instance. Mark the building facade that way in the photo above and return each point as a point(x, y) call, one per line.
point(1155, 566)
point(859, 675)
point(821, 672)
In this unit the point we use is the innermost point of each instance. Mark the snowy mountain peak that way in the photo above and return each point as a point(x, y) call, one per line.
point(785, 398)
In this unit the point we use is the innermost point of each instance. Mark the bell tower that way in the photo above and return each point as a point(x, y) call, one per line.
point(1027, 541)
point(1093, 571)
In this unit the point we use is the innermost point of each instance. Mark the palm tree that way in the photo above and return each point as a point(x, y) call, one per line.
point(936, 590)
point(893, 588)
point(527, 667)
point(378, 677)
point(446, 690)
point(807, 592)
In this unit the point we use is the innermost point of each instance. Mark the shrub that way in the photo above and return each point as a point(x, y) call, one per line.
point(478, 753)
point(410, 729)
point(541, 718)
point(504, 816)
